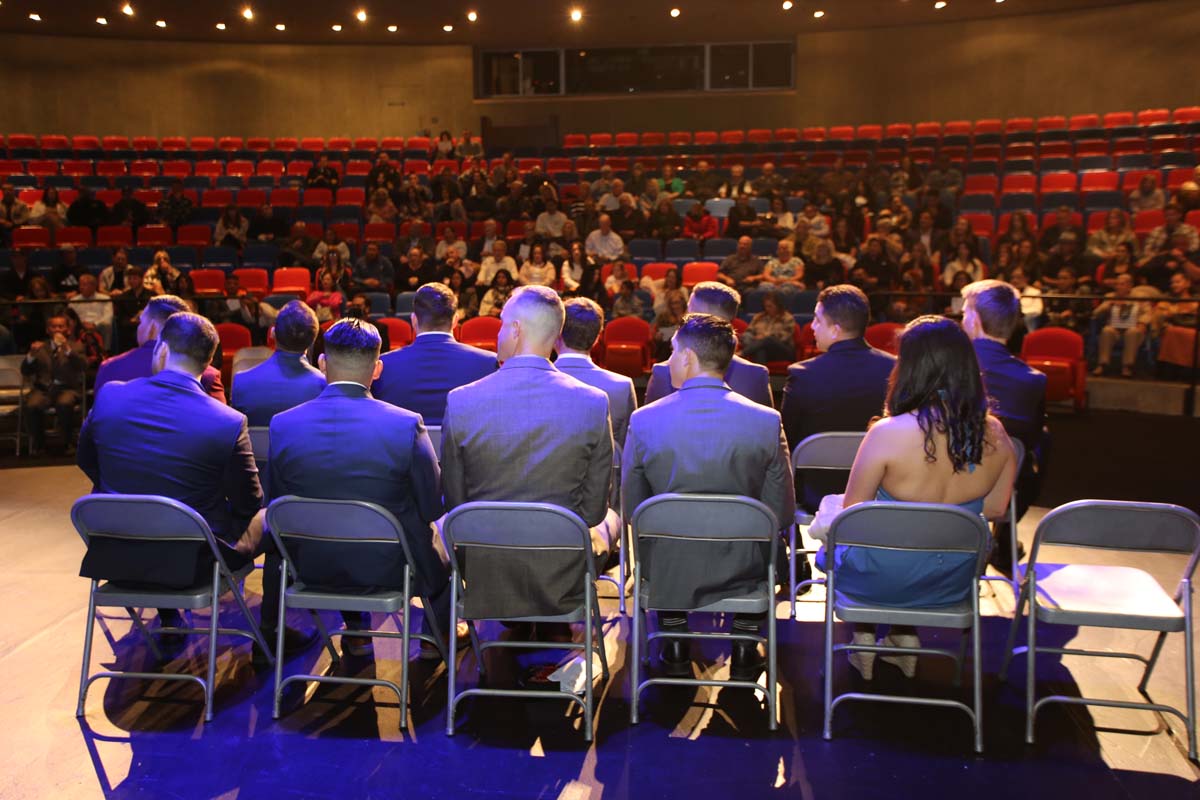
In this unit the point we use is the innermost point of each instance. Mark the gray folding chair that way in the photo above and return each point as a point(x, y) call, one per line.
point(147, 518)
point(349, 523)
point(920, 527)
point(614, 501)
point(704, 518)
point(260, 441)
point(1106, 596)
point(435, 436)
point(820, 452)
point(11, 403)
point(1011, 519)
point(522, 527)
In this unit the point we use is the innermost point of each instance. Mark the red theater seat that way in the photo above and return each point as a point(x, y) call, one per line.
point(1058, 353)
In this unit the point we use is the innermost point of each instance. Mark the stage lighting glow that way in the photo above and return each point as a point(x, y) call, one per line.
point(101, 21)
point(361, 16)
point(940, 4)
point(127, 10)
point(675, 12)
point(281, 27)
point(336, 28)
point(576, 15)
point(36, 17)
point(160, 23)
point(787, 5)
point(472, 16)
point(393, 28)
point(818, 14)
point(248, 12)
point(447, 28)
point(220, 26)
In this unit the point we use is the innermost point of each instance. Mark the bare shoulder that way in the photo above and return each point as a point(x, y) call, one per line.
point(996, 436)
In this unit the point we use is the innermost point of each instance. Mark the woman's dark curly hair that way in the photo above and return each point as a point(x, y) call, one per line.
point(937, 376)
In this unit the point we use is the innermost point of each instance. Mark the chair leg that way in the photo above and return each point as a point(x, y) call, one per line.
point(1152, 661)
point(635, 644)
point(1189, 668)
point(480, 668)
point(792, 535)
point(977, 671)
point(87, 648)
point(214, 619)
point(451, 665)
point(599, 638)
point(588, 633)
point(961, 660)
point(1030, 656)
point(326, 639)
point(622, 568)
point(279, 630)
point(1012, 635)
point(772, 669)
point(827, 694)
point(405, 641)
point(145, 632)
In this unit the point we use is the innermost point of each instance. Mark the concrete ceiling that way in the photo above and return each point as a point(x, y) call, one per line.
point(501, 23)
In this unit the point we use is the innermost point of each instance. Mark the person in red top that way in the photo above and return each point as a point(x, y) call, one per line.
point(699, 224)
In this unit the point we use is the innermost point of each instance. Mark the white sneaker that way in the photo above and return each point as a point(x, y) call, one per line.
point(862, 661)
point(906, 663)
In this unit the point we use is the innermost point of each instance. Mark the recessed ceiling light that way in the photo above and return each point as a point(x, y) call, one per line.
point(393, 28)
point(940, 4)
point(248, 12)
point(447, 28)
point(787, 5)
point(818, 14)
point(674, 12)
point(101, 21)
point(127, 10)
point(361, 16)
point(281, 27)
point(220, 26)
point(160, 23)
point(36, 17)
point(472, 16)
point(576, 15)
point(336, 28)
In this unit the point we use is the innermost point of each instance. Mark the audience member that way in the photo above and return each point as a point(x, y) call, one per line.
point(87, 211)
point(604, 244)
point(419, 377)
point(742, 219)
point(286, 379)
point(537, 270)
point(266, 226)
point(699, 224)
point(784, 272)
point(93, 308)
point(705, 439)
point(662, 288)
point(937, 443)
point(373, 271)
point(743, 269)
point(1147, 196)
point(744, 377)
point(497, 261)
point(666, 322)
point(176, 208)
point(164, 278)
point(665, 222)
point(232, 228)
point(499, 290)
point(771, 334)
point(557, 450)
point(1103, 242)
point(627, 303)
point(322, 175)
point(1162, 237)
point(56, 367)
point(1121, 318)
point(129, 304)
point(13, 213)
point(1063, 224)
point(49, 212)
point(326, 298)
point(297, 249)
point(579, 273)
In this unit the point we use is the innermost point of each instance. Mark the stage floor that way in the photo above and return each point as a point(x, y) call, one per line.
point(346, 742)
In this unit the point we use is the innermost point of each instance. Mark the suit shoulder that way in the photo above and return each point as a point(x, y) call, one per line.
point(753, 410)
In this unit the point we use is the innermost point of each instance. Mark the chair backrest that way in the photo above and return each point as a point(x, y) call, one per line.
point(435, 437)
point(1122, 525)
point(704, 517)
point(260, 442)
point(912, 526)
point(137, 516)
point(516, 526)
point(835, 450)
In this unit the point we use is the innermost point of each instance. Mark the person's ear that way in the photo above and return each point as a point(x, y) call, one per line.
point(376, 372)
point(321, 365)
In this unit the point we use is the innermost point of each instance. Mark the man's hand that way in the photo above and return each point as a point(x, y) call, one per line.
point(36, 347)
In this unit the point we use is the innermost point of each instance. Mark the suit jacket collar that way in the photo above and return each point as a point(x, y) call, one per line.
point(345, 389)
point(992, 346)
point(846, 345)
point(433, 337)
point(170, 377)
point(705, 382)
point(574, 361)
point(528, 362)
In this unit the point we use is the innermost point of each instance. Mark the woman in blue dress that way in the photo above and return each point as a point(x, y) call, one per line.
point(937, 443)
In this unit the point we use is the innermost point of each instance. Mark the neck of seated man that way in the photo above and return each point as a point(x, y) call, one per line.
point(429, 327)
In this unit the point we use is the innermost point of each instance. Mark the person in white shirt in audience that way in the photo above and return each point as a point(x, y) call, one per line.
point(450, 241)
point(604, 244)
point(94, 308)
point(498, 261)
point(549, 224)
point(537, 270)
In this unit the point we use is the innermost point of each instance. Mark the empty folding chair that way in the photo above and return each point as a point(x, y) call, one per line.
point(917, 528)
point(1110, 596)
point(522, 527)
point(691, 520)
point(309, 533)
point(121, 521)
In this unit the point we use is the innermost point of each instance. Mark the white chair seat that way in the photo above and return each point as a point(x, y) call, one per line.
point(1106, 597)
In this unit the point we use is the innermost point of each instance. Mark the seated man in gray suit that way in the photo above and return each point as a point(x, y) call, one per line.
point(529, 433)
point(744, 377)
point(706, 439)
point(581, 329)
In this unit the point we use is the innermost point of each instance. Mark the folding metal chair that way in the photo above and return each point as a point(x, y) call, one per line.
point(1106, 596)
point(147, 518)
point(349, 524)
point(1011, 519)
point(822, 451)
point(11, 402)
point(523, 527)
point(920, 527)
point(704, 518)
point(435, 436)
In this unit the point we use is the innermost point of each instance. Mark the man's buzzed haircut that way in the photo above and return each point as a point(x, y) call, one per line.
point(998, 305)
point(192, 337)
point(710, 337)
point(296, 327)
point(434, 306)
point(539, 308)
point(163, 306)
point(581, 327)
point(352, 341)
point(710, 297)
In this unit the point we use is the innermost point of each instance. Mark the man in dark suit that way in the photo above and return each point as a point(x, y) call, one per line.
point(137, 363)
point(529, 433)
point(56, 366)
point(346, 445)
point(991, 313)
point(744, 377)
point(286, 379)
point(162, 435)
point(581, 328)
point(839, 390)
point(419, 377)
point(706, 439)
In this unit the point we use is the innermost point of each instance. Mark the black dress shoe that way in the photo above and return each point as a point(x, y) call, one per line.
point(676, 658)
point(748, 661)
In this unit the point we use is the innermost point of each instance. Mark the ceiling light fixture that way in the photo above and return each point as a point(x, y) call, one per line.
point(576, 15)
point(787, 5)
point(939, 5)
point(393, 28)
point(336, 28)
point(281, 27)
point(818, 14)
point(361, 16)
point(160, 23)
point(447, 28)
point(248, 12)
point(220, 26)
point(101, 21)
point(675, 12)
point(472, 16)
point(36, 17)
point(127, 10)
